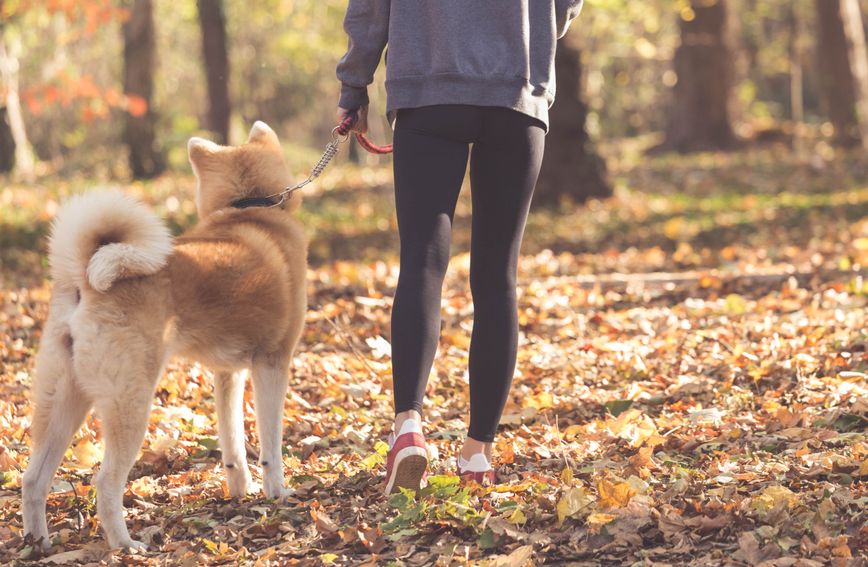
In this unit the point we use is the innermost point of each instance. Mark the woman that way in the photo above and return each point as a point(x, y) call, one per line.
point(458, 72)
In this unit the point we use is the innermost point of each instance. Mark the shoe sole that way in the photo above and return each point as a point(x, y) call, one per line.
point(408, 470)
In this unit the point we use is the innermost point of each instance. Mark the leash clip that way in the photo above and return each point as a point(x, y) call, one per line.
point(339, 135)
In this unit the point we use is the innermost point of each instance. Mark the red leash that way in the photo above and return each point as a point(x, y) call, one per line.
point(346, 126)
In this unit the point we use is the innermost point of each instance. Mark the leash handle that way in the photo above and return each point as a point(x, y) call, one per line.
point(346, 126)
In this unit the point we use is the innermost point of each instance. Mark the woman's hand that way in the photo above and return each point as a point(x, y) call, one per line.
point(361, 124)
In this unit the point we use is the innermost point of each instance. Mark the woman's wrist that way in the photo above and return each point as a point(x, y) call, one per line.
point(353, 97)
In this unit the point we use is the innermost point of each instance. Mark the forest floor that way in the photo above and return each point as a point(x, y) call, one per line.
point(708, 409)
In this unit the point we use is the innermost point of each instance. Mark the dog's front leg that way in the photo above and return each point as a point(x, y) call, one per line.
point(270, 379)
point(229, 398)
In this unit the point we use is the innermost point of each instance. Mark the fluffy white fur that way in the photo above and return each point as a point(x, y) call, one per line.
point(100, 237)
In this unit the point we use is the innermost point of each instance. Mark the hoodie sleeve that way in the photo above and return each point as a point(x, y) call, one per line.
point(367, 27)
point(565, 12)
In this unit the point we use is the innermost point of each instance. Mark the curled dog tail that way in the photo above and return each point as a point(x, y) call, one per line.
point(101, 237)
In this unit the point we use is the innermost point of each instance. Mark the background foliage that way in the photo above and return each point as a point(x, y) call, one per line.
point(693, 367)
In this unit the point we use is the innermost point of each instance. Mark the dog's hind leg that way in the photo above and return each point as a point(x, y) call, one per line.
point(57, 417)
point(125, 384)
point(229, 397)
point(124, 422)
point(270, 379)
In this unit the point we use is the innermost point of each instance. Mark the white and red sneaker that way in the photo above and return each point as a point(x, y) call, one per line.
point(407, 458)
point(477, 469)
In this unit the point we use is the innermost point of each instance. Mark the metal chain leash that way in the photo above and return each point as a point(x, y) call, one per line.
point(328, 154)
point(340, 135)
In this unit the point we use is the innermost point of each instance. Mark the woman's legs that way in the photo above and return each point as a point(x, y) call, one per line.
point(431, 149)
point(504, 167)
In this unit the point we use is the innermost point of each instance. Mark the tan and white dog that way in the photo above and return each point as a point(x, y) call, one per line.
point(229, 293)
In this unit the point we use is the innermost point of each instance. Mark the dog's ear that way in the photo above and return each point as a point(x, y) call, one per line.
point(199, 149)
point(263, 134)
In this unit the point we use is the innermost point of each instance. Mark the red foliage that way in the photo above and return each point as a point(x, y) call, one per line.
point(94, 101)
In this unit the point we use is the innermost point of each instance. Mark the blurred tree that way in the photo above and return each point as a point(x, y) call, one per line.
point(797, 82)
point(699, 118)
point(7, 143)
point(854, 30)
point(14, 145)
point(839, 91)
point(571, 167)
point(139, 61)
point(214, 54)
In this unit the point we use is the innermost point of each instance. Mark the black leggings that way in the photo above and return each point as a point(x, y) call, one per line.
point(432, 145)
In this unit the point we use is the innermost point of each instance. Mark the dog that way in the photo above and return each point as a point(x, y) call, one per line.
point(230, 293)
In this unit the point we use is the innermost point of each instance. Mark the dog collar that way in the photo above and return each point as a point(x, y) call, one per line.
point(248, 202)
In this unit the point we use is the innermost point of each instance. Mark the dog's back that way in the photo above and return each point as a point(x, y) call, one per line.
point(237, 287)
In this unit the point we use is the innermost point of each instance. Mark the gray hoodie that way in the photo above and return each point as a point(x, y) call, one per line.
point(475, 52)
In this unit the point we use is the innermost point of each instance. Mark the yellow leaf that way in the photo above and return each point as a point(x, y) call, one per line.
point(735, 304)
point(674, 227)
point(517, 517)
point(863, 468)
point(86, 454)
point(636, 428)
point(573, 431)
point(642, 432)
point(143, 486)
point(617, 425)
point(573, 501)
point(614, 495)
point(513, 488)
point(328, 558)
point(773, 496)
point(542, 400)
point(600, 519)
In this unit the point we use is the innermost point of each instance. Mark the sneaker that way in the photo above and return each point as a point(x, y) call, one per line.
point(407, 458)
point(477, 469)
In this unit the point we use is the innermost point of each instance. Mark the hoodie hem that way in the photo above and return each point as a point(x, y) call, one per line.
point(428, 90)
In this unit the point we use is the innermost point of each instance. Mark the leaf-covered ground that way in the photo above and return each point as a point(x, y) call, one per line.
point(707, 406)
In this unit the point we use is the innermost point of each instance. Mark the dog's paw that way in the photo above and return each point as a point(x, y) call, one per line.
point(273, 489)
point(40, 542)
point(280, 495)
point(239, 481)
point(130, 545)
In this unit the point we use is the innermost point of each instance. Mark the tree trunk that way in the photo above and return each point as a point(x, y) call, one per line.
point(14, 145)
point(139, 61)
point(839, 91)
point(571, 167)
point(214, 53)
point(797, 86)
point(700, 116)
point(7, 143)
point(854, 30)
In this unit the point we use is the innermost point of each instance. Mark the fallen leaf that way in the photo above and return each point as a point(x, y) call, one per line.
point(614, 495)
point(574, 501)
point(518, 558)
